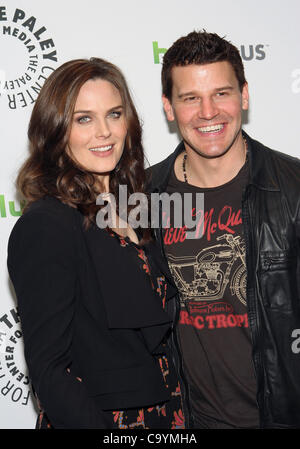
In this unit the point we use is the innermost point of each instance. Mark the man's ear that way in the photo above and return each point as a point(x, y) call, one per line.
point(245, 97)
point(168, 108)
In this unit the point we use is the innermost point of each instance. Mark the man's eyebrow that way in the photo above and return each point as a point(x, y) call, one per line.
point(218, 89)
point(186, 94)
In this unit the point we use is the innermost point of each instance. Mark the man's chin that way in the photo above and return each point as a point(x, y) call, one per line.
point(210, 153)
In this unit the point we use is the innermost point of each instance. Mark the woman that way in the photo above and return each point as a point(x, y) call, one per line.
point(91, 306)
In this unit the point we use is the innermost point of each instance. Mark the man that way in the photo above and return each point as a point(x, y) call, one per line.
point(238, 279)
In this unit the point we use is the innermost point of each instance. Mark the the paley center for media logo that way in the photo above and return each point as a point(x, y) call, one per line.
point(28, 56)
point(14, 380)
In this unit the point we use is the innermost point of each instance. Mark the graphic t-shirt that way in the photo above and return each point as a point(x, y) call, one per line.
point(210, 274)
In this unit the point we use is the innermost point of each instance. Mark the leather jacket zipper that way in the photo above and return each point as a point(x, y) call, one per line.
point(266, 264)
point(269, 261)
point(251, 305)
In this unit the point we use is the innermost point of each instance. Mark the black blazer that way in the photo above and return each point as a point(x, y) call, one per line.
point(84, 307)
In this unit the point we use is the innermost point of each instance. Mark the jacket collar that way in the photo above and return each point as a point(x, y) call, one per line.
point(160, 177)
point(262, 170)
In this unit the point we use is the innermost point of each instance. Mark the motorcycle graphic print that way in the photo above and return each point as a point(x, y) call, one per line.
point(204, 277)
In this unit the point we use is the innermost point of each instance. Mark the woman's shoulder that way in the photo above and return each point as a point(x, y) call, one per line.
point(52, 208)
point(47, 226)
point(48, 212)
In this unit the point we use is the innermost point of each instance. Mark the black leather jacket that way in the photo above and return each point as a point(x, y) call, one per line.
point(271, 220)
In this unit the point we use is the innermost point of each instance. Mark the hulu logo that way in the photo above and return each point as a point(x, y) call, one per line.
point(11, 208)
point(157, 52)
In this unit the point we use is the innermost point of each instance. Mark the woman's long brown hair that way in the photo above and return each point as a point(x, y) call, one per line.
point(49, 170)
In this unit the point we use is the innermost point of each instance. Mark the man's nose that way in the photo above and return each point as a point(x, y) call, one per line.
point(208, 109)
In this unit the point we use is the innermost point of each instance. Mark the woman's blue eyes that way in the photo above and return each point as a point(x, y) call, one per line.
point(115, 114)
point(86, 118)
point(83, 119)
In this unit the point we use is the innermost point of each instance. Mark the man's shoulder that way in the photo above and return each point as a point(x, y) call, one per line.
point(278, 156)
point(288, 172)
point(282, 161)
point(287, 159)
point(275, 168)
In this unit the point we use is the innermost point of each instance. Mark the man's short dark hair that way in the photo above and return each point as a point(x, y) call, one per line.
point(200, 47)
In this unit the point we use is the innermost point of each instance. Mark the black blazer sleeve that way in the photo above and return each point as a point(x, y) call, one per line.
point(42, 267)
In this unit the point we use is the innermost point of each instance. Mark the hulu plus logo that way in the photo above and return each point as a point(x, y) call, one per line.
point(248, 52)
point(8, 207)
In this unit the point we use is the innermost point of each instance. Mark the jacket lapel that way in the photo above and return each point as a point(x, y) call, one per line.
point(126, 289)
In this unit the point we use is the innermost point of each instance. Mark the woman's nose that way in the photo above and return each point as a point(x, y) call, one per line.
point(102, 129)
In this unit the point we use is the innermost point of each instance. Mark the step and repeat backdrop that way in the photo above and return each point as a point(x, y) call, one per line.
point(36, 37)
